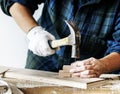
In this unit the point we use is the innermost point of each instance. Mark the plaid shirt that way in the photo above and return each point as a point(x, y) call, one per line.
point(98, 21)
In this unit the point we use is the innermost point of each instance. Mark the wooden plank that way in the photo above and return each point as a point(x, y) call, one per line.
point(110, 76)
point(52, 78)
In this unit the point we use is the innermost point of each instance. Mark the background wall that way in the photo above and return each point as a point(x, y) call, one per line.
point(13, 41)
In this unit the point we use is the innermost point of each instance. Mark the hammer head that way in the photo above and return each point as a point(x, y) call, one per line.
point(74, 39)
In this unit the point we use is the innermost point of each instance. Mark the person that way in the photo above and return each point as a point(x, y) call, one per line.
point(99, 25)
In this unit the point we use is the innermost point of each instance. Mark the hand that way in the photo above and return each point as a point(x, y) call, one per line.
point(88, 68)
point(39, 41)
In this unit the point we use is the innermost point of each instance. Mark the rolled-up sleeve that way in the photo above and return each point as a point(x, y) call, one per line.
point(114, 45)
point(30, 4)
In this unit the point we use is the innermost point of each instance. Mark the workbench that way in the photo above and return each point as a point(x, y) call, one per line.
point(42, 82)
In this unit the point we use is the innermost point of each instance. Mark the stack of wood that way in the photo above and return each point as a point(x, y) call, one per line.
point(65, 72)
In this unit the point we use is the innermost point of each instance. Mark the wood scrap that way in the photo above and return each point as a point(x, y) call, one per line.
point(67, 68)
point(65, 72)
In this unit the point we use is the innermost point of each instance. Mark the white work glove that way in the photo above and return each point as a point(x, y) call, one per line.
point(88, 68)
point(38, 43)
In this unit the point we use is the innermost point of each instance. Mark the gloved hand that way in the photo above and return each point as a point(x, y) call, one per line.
point(38, 43)
point(88, 68)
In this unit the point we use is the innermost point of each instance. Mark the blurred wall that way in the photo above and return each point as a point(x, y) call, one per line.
point(13, 41)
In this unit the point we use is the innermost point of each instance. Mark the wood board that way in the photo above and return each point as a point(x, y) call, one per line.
point(52, 78)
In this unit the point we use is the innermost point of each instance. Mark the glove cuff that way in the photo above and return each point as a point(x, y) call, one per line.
point(34, 31)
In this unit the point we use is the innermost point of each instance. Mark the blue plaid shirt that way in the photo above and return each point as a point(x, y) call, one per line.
point(98, 21)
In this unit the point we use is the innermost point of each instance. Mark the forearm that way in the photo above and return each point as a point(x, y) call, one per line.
point(112, 62)
point(23, 17)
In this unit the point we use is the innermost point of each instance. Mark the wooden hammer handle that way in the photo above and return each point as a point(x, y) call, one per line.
point(57, 43)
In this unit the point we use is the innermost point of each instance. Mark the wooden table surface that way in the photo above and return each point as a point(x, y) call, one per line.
point(67, 90)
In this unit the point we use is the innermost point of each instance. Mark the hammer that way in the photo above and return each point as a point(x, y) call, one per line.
point(74, 39)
